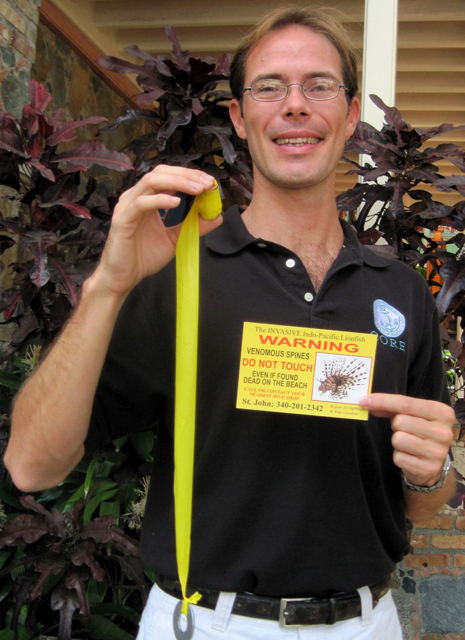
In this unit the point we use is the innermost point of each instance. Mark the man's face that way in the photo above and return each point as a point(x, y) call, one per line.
point(294, 143)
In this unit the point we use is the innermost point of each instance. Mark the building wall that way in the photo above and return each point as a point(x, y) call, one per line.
point(75, 87)
point(18, 30)
point(430, 582)
point(18, 35)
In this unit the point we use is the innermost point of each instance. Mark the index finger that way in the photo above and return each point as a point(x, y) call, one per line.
point(171, 179)
point(388, 405)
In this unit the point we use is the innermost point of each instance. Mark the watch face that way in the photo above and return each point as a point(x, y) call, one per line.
point(446, 468)
point(172, 217)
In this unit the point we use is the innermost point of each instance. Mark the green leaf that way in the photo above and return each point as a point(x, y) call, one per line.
point(94, 503)
point(50, 495)
point(103, 629)
point(23, 633)
point(110, 509)
point(127, 494)
point(119, 442)
point(150, 574)
point(75, 497)
point(89, 476)
point(143, 443)
point(5, 590)
point(116, 609)
point(106, 467)
point(104, 485)
point(4, 555)
point(10, 380)
point(81, 467)
point(96, 591)
point(7, 498)
point(14, 573)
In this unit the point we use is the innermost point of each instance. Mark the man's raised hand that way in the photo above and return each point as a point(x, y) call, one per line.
point(422, 433)
point(139, 244)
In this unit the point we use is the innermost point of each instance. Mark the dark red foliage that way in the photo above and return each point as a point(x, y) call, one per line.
point(190, 121)
point(56, 544)
point(391, 204)
point(53, 206)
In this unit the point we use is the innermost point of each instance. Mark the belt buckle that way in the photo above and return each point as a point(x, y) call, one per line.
point(282, 611)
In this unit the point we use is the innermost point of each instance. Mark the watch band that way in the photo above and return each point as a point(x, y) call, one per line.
point(434, 487)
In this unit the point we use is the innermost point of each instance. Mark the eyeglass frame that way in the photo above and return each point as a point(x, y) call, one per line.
point(291, 84)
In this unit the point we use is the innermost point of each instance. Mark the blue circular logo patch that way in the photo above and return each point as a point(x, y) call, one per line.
point(388, 320)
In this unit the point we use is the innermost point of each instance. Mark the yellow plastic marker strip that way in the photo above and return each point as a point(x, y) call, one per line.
point(208, 205)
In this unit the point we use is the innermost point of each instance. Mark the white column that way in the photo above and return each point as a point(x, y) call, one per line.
point(379, 65)
point(379, 58)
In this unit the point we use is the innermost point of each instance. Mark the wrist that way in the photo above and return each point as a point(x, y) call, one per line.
point(434, 486)
point(96, 289)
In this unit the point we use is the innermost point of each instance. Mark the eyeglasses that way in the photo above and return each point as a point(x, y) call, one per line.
point(272, 89)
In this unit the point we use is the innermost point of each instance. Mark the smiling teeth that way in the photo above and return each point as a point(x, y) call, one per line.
point(297, 141)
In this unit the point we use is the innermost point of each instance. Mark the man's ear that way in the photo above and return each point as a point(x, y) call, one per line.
point(235, 113)
point(353, 116)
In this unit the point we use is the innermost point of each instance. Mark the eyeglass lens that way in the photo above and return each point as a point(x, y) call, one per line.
point(313, 88)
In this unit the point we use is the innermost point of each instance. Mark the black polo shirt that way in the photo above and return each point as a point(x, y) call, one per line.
point(283, 504)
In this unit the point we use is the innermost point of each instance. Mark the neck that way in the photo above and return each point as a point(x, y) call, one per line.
point(295, 218)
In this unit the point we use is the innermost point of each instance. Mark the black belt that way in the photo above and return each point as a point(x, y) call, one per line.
point(288, 611)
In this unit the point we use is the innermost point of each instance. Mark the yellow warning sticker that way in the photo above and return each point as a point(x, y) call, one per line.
point(307, 371)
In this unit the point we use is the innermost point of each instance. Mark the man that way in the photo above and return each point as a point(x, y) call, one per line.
point(285, 505)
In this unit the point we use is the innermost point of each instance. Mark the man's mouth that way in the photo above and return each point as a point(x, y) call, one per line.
point(296, 141)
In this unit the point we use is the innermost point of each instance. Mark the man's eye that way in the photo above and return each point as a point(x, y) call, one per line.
point(267, 87)
point(321, 86)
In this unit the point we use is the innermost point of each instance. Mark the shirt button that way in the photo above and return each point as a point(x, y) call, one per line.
point(308, 296)
point(290, 263)
point(262, 245)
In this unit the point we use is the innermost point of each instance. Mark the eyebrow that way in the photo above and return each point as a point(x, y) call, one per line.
point(280, 76)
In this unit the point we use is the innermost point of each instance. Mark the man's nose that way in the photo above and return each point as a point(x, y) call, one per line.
point(295, 103)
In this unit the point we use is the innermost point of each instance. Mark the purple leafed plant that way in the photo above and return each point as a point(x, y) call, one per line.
point(188, 116)
point(394, 204)
point(59, 553)
point(390, 201)
point(51, 211)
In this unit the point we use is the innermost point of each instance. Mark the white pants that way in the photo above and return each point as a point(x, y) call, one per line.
point(382, 623)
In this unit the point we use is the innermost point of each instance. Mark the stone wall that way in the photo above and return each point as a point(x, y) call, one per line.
point(430, 582)
point(75, 87)
point(18, 35)
point(18, 29)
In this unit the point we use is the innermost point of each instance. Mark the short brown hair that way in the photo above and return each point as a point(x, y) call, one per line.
point(321, 20)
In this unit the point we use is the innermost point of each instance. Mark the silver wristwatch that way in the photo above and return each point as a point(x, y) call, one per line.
point(434, 487)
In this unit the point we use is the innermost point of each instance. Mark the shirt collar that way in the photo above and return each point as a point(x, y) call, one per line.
point(360, 252)
point(232, 236)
